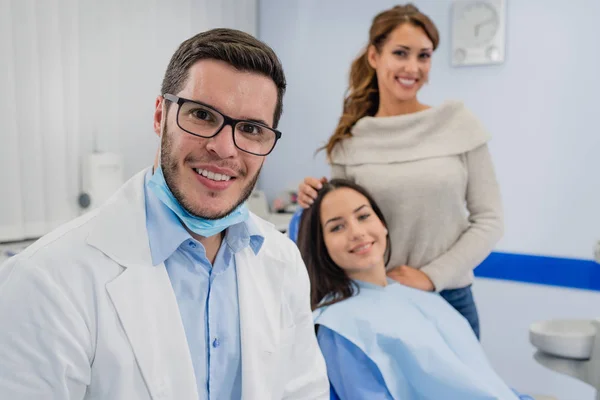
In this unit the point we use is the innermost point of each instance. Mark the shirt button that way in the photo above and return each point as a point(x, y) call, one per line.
point(216, 343)
point(192, 245)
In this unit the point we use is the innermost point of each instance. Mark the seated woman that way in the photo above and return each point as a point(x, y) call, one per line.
point(380, 339)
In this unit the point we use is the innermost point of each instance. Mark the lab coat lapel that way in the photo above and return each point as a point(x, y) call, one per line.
point(143, 296)
point(148, 311)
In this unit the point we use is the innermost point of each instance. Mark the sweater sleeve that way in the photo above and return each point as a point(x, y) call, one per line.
point(486, 223)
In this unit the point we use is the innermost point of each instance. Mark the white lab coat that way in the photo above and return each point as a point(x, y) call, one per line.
point(85, 315)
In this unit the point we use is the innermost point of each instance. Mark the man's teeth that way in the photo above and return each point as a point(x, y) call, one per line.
point(211, 175)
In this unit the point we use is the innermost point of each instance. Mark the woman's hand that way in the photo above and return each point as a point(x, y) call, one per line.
point(412, 277)
point(307, 191)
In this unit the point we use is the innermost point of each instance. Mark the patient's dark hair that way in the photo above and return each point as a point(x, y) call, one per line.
point(326, 277)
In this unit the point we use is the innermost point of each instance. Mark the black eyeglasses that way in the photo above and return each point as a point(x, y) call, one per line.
point(201, 120)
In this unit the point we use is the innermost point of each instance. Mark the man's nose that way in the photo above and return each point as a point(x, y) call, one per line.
point(222, 143)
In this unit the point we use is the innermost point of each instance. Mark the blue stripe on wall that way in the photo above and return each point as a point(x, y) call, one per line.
point(554, 271)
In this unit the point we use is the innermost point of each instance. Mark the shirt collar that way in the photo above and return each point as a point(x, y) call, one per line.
point(244, 234)
point(166, 232)
point(368, 285)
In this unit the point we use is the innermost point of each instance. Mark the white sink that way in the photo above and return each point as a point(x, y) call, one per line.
point(567, 338)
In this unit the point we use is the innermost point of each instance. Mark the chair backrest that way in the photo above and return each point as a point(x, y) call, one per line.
point(295, 225)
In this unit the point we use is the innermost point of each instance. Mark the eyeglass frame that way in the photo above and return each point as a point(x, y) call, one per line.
point(227, 120)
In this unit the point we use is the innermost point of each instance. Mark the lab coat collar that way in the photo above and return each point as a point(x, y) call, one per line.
point(119, 229)
point(148, 310)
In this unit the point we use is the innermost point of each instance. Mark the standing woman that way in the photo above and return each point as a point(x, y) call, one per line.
point(429, 168)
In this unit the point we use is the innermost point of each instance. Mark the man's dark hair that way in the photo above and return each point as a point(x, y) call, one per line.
point(238, 49)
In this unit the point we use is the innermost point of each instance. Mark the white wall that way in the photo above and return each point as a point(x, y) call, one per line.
point(540, 106)
point(82, 75)
point(126, 47)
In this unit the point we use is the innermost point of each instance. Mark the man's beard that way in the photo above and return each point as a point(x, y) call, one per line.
point(169, 167)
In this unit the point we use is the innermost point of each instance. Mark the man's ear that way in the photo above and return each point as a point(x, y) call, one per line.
point(158, 115)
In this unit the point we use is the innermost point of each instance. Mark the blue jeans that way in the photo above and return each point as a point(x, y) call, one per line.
point(462, 300)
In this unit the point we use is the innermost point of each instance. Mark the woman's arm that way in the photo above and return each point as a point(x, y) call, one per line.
point(351, 373)
point(486, 223)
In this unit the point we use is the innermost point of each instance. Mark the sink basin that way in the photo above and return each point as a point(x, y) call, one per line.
point(567, 338)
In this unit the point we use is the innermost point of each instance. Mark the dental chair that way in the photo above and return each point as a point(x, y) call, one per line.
point(294, 225)
point(570, 347)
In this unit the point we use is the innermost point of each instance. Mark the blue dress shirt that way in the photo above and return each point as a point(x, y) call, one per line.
point(207, 295)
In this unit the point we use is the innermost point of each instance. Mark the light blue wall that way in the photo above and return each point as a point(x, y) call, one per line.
point(541, 106)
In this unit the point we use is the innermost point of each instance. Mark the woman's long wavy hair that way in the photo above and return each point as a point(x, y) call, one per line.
point(362, 96)
point(327, 279)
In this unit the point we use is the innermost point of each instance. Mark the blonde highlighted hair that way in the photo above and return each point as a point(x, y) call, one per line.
point(362, 96)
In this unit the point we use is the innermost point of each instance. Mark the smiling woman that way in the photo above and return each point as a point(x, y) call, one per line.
point(343, 237)
point(385, 78)
point(382, 339)
point(421, 163)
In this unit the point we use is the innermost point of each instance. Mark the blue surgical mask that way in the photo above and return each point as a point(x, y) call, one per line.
point(201, 226)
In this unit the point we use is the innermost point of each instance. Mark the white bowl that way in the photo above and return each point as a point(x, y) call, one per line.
point(567, 338)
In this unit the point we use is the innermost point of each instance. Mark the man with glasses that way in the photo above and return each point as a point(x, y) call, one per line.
point(172, 289)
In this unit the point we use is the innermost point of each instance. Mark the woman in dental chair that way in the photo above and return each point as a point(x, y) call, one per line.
point(380, 339)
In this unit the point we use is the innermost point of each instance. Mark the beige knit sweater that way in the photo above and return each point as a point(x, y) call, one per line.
point(432, 175)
